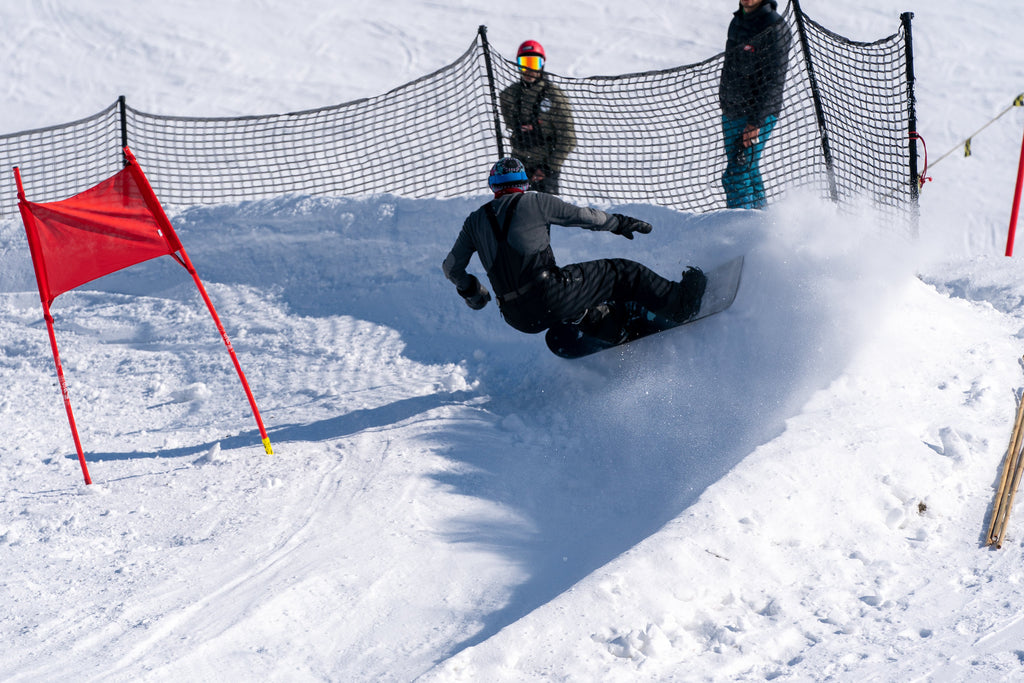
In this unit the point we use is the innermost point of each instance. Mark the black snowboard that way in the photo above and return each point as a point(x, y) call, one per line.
point(569, 341)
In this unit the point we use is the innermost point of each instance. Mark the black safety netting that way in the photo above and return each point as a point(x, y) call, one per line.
point(660, 137)
point(60, 161)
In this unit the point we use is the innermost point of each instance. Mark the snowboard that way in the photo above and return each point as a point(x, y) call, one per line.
point(568, 340)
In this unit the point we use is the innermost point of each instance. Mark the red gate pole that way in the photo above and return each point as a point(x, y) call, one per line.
point(231, 350)
point(158, 211)
point(1016, 202)
point(64, 393)
point(37, 264)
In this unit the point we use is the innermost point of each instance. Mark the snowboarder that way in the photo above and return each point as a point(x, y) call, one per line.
point(512, 236)
point(537, 114)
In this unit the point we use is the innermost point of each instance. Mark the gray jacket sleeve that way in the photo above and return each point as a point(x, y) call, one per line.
point(455, 263)
point(561, 212)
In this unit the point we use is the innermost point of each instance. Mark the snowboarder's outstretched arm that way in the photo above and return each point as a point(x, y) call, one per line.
point(561, 212)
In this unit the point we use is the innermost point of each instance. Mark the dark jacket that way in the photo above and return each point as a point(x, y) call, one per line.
point(756, 59)
point(544, 110)
point(529, 237)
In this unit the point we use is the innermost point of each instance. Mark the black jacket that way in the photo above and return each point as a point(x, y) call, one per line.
point(756, 59)
point(529, 237)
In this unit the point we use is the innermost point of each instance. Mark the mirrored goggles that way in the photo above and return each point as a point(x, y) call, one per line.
point(530, 62)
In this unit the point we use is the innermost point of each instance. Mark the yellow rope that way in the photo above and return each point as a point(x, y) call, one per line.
point(966, 144)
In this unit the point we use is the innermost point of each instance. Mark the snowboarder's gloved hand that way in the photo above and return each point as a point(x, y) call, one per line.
point(476, 295)
point(629, 225)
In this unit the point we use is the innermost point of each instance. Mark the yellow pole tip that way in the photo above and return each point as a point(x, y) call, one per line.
point(267, 447)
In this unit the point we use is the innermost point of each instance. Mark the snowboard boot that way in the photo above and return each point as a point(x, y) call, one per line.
point(606, 321)
point(692, 291)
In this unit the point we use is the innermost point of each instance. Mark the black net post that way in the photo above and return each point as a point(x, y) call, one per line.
point(911, 109)
point(494, 93)
point(122, 108)
point(826, 150)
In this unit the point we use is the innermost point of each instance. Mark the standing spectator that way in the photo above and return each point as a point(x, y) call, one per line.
point(538, 116)
point(750, 93)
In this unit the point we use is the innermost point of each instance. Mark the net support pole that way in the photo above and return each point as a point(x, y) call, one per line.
point(915, 181)
point(157, 209)
point(494, 93)
point(826, 148)
point(122, 107)
point(38, 266)
point(1016, 202)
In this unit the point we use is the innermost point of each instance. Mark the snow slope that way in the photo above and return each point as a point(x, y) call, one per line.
point(796, 489)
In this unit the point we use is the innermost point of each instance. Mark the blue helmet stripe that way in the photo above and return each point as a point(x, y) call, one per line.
point(515, 177)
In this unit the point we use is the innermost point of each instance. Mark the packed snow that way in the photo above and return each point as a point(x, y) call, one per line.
point(796, 489)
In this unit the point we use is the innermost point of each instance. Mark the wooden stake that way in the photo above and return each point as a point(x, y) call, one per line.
point(1008, 483)
point(1018, 469)
point(1008, 461)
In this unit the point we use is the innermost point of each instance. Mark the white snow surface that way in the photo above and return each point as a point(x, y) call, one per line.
point(796, 489)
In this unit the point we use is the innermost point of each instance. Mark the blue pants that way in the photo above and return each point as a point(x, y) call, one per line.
point(741, 181)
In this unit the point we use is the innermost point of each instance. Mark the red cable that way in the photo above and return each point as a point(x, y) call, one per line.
point(921, 178)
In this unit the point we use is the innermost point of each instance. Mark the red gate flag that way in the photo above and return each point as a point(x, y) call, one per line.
point(111, 226)
point(100, 231)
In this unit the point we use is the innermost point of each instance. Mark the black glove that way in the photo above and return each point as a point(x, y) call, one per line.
point(476, 295)
point(629, 225)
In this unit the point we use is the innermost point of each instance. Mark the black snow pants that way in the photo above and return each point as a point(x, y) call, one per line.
point(566, 293)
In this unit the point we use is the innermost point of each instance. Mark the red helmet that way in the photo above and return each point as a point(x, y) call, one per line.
point(531, 47)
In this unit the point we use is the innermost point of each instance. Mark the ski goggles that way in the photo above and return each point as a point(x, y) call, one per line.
point(530, 62)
